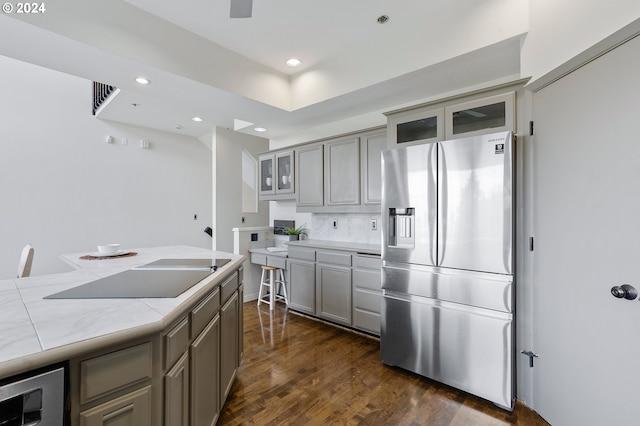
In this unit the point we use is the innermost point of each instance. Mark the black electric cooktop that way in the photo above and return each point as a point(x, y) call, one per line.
point(163, 278)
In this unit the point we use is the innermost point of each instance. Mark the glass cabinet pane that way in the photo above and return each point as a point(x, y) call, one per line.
point(424, 128)
point(480, 117)
point(284, 172)
point(266, 174)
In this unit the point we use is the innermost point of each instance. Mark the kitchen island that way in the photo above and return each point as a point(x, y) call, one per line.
point(154, 348)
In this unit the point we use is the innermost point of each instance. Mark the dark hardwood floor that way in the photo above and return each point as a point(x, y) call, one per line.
point(299, 371)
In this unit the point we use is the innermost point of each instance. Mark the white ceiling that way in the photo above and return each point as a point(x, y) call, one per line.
point(201, 62)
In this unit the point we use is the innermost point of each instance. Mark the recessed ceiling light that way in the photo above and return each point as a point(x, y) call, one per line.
point(260, 129)
point(142, 80)
point(135, 105)
point(178, 127)
point(197, 119)
point(293, 62)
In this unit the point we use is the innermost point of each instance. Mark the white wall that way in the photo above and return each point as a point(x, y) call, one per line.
point(228, 213)
point(560, 30)
point(64, 189)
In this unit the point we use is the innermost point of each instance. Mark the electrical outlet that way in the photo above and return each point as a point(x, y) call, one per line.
point(374, 224)
point(334, 223)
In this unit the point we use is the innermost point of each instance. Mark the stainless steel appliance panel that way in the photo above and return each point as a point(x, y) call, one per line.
point(475, 213)
point(409, 204)
point(483, 290)
point(464, 347)
point(37, 399)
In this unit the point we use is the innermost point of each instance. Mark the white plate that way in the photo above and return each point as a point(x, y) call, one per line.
point(117, 253)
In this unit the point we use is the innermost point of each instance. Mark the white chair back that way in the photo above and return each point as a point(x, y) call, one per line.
point(26, 259)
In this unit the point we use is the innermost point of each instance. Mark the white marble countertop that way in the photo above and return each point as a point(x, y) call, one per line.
point(374, 249)
point(35, 331)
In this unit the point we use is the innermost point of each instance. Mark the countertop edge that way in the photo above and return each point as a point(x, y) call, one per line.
point(338, 245)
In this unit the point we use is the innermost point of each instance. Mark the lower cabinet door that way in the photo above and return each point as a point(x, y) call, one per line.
point(205, 378)
point(334, 293)
point(228, 346)
point(302, 286)
point(176, 393)
point(131, 409)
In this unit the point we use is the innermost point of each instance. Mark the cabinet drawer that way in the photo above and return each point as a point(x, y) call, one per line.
point(228, 287)
point(116, 370)
point(334, 258)
point(259, 259)
point(176, 342)
point(302, 253)
point(367, 279)
point(130, 409)
point(365, 261)
point(368, 321)
point(367, 300)
point(204, 312)
point(277, 262)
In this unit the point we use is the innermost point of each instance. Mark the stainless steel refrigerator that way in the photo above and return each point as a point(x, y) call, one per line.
point(448, 263)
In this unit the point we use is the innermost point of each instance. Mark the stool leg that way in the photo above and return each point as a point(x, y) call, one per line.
point(261, 288)
point(272, 291)
point(283, 283)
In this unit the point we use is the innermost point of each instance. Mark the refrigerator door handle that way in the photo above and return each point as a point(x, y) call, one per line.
point(442, 205)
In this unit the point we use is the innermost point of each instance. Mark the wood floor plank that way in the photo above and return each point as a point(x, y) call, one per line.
point(299, 371)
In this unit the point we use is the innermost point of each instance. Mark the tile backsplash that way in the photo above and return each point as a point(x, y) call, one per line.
point(352, 227)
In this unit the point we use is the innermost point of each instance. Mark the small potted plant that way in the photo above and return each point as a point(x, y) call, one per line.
point(295, 233)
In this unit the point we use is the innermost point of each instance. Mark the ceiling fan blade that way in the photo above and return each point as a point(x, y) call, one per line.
point(241, 8)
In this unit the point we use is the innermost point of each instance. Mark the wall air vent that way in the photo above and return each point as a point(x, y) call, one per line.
point(101, 93)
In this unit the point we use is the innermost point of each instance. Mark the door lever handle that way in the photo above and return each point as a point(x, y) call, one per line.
point(625, 291)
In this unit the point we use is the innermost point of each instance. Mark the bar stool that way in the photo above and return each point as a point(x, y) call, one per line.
point(271, 282)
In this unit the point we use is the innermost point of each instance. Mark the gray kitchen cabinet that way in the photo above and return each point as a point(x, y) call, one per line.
point(367, 292)
point(266, 166)
point(240, 323)
point(309, 177)
point(333, 286)
point(115, 385)
point(342, 172)
point(131, 409)
point(371, 147)
point(229, 323)
point(176, 393)
point(416, 126)
point(196, 370)
point(302, 279)
point(481, 116)
point(205, 375)
point(277, 175)
point(453, 118)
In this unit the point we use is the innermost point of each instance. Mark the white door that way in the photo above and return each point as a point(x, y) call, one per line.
point(587, 240)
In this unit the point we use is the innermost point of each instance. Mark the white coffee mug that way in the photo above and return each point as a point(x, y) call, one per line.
point(268, 181)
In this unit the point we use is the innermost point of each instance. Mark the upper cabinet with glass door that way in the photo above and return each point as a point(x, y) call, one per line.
point(447, 120)
point(481, 116)
point(276, 176)
point(422, 125)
